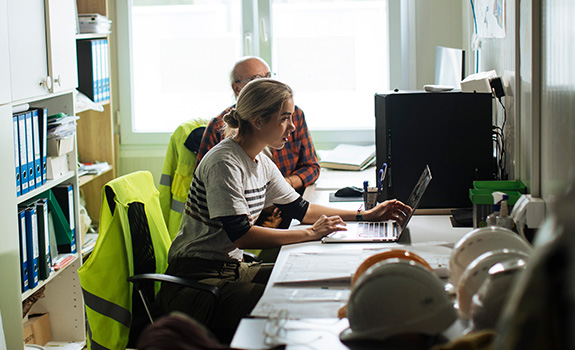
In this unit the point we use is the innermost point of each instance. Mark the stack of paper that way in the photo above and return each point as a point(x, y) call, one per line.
point(348, 157)
point(94, 23)
point(92, 168)
point(61, 125)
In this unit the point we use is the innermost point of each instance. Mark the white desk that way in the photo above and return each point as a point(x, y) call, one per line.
point(312, 309)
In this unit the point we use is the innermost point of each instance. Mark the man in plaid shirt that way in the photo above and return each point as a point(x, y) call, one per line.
point(297, 161)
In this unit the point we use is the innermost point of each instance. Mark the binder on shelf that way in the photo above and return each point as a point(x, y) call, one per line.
point(30, 152)
point(44, 260)
point(32, 247)
point(106, 65)
point(43, 126)
point(36, 147)
point(23, 250)
point(93, 69)
point(65, 197)
point(16, 152)
point(52, 234)
point(23, 153)
point(100, 79)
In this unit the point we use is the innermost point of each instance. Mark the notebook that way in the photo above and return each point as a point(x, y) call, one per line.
point(384, 231)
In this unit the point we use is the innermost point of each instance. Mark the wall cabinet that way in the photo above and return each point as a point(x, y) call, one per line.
point(37, 47)
point(42, 58)
point(5, 86)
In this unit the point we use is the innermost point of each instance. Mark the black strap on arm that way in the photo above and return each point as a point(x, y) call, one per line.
point(295, 209)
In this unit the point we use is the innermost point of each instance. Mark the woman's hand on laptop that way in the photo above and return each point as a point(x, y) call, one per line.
point(388, 210)
point(326, 225)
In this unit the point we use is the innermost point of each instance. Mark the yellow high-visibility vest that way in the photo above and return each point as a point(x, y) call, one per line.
point(107, 293)
point(177, 175)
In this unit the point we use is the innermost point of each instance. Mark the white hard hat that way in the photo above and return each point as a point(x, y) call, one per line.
point(490, 299)
point(476, 273)
point(394, 297)
point(376, 258)
point(479, 241)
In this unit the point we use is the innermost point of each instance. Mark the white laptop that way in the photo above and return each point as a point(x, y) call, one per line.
point(383, 231)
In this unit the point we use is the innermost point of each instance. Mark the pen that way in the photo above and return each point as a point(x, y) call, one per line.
point(365, 185)
point(382, 173)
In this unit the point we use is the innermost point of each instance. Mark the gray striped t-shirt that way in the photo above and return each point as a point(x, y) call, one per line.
point(227, 182)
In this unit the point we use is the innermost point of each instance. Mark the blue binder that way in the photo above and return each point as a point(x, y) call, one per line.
point(32, 247)
point(106, 65)
point(23, 250)
point(43, 126)
point(36, 144)
point(30, 152)
point(23, 153)
point(16, 152)
point(44, 261)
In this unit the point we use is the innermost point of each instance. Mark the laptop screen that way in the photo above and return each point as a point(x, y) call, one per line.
point(417, 193)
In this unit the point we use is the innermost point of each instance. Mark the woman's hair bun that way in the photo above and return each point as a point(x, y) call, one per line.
point(232, 118)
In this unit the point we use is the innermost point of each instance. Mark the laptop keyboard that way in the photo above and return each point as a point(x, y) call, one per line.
point(372, 229)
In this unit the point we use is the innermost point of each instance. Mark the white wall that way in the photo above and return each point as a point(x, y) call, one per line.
point(540, 87)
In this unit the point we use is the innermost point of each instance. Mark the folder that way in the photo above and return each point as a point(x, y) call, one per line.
point(23, 153)
point(36, 145)
point(43, 126)
point(64, 195)
point(23, 250)
point(44, 260)
point(32, 247)
point(30, 152)
point(106, 65)
point(87, 68)
point(52, 234)
point(16, 152)
point(98, 62)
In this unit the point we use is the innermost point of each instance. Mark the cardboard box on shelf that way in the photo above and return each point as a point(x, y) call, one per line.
point(58, 147)
point(37, 329)
point(57, 166)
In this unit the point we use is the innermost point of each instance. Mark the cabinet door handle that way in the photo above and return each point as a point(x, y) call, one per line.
point(58, 80)
point(47, 83)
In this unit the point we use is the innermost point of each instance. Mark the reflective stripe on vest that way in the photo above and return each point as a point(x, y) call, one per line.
point(106, 308)
point(166, 180)
point(177, 206)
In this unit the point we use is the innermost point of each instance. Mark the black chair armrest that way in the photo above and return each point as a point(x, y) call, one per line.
point(215, 291)
point(250, 257)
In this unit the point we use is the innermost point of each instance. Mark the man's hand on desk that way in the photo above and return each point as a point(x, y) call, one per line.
point(326, 225)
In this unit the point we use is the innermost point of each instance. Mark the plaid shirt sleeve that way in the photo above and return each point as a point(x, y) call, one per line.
point(213, 134)
point(298, 157)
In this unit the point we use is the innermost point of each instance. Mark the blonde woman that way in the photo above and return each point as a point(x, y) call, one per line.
point(231, 186)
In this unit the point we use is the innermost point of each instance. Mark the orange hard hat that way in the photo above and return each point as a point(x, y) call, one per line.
point(388, 254)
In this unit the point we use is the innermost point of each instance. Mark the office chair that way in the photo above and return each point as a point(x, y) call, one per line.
point(133, 244)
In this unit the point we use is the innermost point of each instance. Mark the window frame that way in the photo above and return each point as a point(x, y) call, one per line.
point(251, 29)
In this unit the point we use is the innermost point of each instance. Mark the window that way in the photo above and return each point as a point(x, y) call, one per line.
point(176, 56)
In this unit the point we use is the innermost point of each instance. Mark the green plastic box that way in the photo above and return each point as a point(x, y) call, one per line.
point(482, 198)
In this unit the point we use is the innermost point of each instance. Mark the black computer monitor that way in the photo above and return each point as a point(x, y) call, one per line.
point(449, 131)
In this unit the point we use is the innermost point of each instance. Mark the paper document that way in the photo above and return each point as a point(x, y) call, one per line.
point(320, 269)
